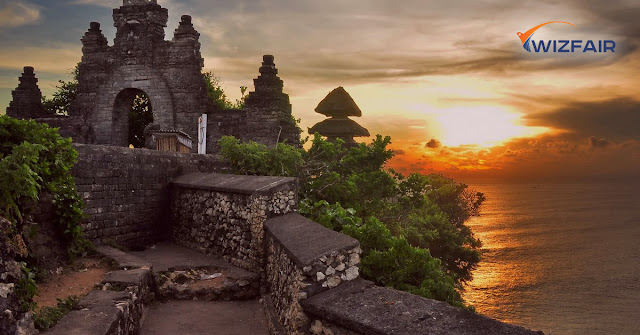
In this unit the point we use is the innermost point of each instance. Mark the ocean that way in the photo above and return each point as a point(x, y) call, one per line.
point(561, 258)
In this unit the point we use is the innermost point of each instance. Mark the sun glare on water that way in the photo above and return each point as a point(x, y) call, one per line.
point(484, 126)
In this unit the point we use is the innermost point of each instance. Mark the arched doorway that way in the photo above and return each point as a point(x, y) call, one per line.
point(131, 114)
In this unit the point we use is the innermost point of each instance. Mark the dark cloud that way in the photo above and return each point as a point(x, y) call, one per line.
point(599, 142)
point(433, 143)
point(617, 118)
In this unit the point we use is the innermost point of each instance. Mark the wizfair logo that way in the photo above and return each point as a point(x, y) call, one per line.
point(599, 46)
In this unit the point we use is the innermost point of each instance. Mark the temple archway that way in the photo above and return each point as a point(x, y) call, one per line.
point(132, 112)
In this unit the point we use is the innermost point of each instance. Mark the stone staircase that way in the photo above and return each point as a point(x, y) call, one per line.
point(175, 289)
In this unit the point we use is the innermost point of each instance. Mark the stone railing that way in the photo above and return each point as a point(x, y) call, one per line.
point(304, 259)
point(361, 308)
point(224, 214)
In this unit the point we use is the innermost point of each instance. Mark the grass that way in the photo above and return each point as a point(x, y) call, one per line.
point(47, 317)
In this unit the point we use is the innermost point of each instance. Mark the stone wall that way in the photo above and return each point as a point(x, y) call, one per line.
point(13, 318)
point(224, 214)
point(126, 191)
point(228, 123)
point(305, 259)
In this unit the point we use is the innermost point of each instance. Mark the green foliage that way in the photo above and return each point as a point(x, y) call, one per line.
point(218, 96)
point(353, 177)
point(332, 216)
point(140, 116)
point(411, 269)
point(35, 158)
point(373, 236)
point(254, 158)
point(20, 180)
point(47, 317)
point(26, 288)
point(411, 228)
point(62, 97)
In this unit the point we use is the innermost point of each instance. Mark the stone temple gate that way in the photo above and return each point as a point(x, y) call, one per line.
point(169, 73)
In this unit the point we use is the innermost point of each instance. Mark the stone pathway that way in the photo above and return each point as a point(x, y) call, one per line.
point(195, 317)
point(205, 317)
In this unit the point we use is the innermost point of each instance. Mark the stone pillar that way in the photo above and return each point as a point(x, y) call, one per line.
point(269, 118)
point(27, 98)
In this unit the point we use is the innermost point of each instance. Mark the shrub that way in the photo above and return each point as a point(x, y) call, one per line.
point(34, 158)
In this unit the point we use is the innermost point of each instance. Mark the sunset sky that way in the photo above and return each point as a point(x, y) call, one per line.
point(449, 81)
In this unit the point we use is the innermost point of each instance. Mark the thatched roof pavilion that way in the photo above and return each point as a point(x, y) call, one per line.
point(338, 106)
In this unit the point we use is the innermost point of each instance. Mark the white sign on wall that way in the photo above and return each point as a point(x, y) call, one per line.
point(202, 134)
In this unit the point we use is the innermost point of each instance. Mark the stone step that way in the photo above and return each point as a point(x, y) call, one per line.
point(185, 274)
point(124, 260)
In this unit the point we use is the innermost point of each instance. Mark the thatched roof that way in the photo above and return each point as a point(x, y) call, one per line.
point(338, 103)
point(339, 127)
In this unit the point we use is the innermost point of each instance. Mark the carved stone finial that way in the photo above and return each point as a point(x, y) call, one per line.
point(267, 60)
point(185, 30)
point(94, 26)
point(138, 2)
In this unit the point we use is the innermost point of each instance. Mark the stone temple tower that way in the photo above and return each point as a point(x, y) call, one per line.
point(27, 98)
point(269, 118)
point(140, 61)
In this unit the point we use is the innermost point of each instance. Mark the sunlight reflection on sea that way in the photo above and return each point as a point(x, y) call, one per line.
point(561, 258)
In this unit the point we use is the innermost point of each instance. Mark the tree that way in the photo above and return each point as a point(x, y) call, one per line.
point(62, 97)
point(218, 96)
point(140, 116)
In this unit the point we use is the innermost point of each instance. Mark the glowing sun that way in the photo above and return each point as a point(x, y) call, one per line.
point(484, 126)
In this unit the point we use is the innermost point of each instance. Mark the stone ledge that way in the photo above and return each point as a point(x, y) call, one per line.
point(126, 278)
point(305, 240)
point(103, 298)
point(100, 320)
point(124, 260)
point(110, 149)
point(101, 313)
point(108, 312)
point(235, 183)
point(373, 310)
